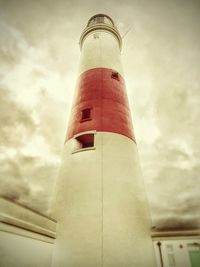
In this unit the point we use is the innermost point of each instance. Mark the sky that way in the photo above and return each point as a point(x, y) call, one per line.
point(39, 55)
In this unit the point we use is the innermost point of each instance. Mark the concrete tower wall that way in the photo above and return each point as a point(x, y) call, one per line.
point(101, 207)
point(102, 215)
point(100, 49)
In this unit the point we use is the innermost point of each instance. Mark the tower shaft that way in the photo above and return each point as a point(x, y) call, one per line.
point(101, 206)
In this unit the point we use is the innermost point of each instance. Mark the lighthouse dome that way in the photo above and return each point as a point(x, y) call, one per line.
point(100, 22)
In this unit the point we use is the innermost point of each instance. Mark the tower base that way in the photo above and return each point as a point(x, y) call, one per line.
point(101, 206)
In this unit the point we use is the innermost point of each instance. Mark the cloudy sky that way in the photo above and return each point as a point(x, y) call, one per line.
point(39, 55)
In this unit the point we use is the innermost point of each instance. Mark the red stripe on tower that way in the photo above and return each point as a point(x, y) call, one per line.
point(101, 104)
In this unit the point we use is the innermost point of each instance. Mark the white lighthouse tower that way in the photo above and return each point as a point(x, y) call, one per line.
point(101, 207)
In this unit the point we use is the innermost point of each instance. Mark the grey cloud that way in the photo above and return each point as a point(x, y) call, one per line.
point(178, 192)
point(20, 176)
point(13, 186)
point(176, 116)
point(171, 167)
point(174, 223)
point(12, 44)
point(43, 177)
point(26, 178)
point(52, 121)
point(16, 122)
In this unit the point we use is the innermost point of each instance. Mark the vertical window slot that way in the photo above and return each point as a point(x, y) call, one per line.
point(86, 114)
point(115, 75)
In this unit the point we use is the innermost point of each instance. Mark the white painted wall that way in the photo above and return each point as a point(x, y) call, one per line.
point(100, 50)
point(101, 207)
point(20, 251)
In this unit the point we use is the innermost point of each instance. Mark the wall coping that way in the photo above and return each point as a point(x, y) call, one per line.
point(19, 216)
point(193, 233)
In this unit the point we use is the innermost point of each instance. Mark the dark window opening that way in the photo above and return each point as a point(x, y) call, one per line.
point(100, 19)
point(86, 114)
point(85, 140)
point(115, 75)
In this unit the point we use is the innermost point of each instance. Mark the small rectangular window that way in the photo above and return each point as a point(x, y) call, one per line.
point(115, 75)
point(86, 114)
point(100, 19)
point(171, 258)
point(84, 141)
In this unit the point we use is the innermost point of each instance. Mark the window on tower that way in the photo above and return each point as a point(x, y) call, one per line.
point(83, 142)
point(96, 20)
point(86, 114)
point(100, 18)
point(115, 75)
point(86, 140)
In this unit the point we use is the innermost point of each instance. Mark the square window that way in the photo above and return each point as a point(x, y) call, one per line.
point(115, 75)
point(84, 142)
point(99, 19)
point(86, 114)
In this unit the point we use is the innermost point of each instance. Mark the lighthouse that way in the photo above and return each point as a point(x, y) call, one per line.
point(100, 207)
